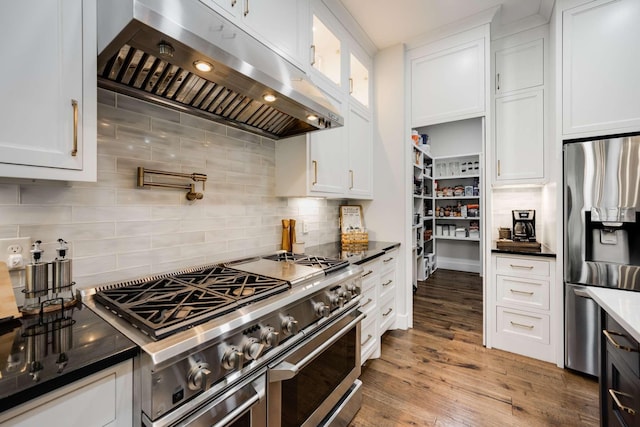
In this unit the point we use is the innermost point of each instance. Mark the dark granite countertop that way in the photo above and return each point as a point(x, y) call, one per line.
point(544, 251)
point(334, 250)
point(40, 354)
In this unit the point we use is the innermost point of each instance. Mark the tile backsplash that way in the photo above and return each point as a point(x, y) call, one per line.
point(117, 231)
point(504, 200)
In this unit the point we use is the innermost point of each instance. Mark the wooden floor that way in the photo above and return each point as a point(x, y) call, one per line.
point(439, 374)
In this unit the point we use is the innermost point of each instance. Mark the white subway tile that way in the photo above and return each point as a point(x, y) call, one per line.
point(111, 246)
point(117, 116)
point(39, 215)
point(9, 194)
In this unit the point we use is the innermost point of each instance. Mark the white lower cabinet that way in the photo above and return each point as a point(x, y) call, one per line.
point(102, 399)
point(521, 308)
point(378, 302)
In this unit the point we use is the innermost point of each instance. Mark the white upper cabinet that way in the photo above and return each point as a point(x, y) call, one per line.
point(326, 50)
point(601, 68)
point(447, 83)
point(519, 67)
point(232, 7)
point(48, 104)
point(360, 146)
point(278, 22)
point(519, 133)
point(358, 80)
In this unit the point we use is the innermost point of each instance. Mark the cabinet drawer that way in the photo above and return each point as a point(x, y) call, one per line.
point(522, 324)
point(387, 314)
point(371, 274)
point(523, 292)
point(368, 301)
point(622, 345)
point(389, 261)
point(522, 266)
point(387, 284)
point(620, 395)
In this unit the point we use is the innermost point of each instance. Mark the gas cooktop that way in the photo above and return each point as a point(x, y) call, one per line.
point(160, 307)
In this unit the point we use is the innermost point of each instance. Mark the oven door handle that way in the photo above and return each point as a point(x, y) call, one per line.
point(286, 370)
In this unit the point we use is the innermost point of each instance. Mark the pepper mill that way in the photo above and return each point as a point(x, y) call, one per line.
point(286, 242)
point(292, 233)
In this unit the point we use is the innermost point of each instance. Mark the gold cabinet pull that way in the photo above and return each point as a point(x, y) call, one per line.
point(350, 85)
point(315, 172)
point(369, 336)
point(74, 104)
point(498, 81)
point(387, 260)
point(387, 283)
point(614, 395)
point(367, 273)
point(351, 173)
point(526, 267)
point(614, 343)
point(313, 55)
point(366, 303)
point(520, 325)
point(498, 167)
point(388, 312)
point(516, 291)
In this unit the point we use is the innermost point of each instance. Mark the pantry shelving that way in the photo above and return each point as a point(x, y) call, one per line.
point(423, 213)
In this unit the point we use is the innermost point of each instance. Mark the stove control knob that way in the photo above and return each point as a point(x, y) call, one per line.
point(336, 300)
point(351, 287)
point(290, 325)
point(252, 349)
point(232, 359)
point(322, 309)
point(199, 377)
point(345, 294)
point(269, 337)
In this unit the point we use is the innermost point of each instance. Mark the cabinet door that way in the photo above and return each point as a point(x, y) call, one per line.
point(277, 22)
point(520, 67)
point(520, 137)
point(41, 101)
point(358, 80)
point(360, 154)
point(448, 85)
point(327, 158)
point(50, 109)
point(232, 7)
point(600, 84)
point(326, 51)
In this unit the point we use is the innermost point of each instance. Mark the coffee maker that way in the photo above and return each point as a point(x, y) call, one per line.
point(524, 225)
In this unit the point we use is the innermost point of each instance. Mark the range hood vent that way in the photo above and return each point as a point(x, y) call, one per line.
point(151, 54)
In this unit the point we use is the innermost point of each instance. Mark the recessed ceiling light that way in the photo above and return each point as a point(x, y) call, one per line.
point(269, 97)
point(203, 66)
point(312, 117)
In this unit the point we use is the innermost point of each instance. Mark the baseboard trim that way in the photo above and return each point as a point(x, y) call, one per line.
point(459, 264)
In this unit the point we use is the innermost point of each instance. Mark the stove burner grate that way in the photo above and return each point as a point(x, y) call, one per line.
point(328, 265)
point(166, 305)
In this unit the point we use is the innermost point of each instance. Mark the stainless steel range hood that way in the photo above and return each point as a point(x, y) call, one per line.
point(148, 49)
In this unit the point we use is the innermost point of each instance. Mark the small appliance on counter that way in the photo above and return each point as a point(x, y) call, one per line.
point(524, 225)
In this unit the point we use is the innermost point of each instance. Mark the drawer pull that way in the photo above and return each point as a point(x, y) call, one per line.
point(524, 267)
point(388, 312)
point(74, 106)
point(614, 395)
point(614, 343)
point(367, 273)
point(366, 303)
point(521, 325)
point(369, 336)
point(387, 283)
point(387, 260)
point(516, 291)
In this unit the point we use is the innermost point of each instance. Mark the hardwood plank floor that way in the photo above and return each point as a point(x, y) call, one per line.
point(439, 373)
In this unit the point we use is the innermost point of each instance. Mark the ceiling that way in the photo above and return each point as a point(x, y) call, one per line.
point(389, 23)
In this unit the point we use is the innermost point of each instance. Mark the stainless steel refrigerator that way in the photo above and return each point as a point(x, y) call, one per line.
point(602, 235)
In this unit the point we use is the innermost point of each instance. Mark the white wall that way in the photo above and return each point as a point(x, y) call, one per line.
point(118, 231)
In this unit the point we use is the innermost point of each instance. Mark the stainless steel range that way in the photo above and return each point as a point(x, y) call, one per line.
point(213, 337)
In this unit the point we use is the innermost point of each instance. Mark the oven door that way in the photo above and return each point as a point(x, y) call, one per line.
point(243, 405)
point(319, 375)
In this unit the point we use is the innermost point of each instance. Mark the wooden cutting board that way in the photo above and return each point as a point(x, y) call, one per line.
point(8, 306)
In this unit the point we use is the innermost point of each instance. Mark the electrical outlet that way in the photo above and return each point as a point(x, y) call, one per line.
point(15, 252)
point(305, 227)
